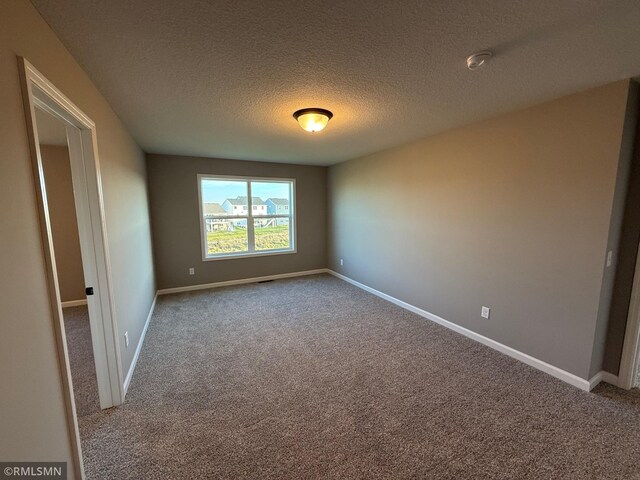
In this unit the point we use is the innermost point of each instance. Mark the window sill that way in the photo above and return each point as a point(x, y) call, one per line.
point(235, 256)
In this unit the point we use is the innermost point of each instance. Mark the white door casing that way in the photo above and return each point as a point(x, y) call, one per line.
point(39, 93)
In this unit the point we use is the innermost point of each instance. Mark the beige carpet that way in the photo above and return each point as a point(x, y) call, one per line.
point(314, 378)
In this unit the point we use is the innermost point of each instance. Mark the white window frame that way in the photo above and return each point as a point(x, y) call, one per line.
point(251, 252)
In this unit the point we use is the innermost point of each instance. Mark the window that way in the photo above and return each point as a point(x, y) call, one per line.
point(246, 216)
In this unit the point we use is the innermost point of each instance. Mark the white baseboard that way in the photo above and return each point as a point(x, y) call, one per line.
point(609, 378)
point(556, 372)
point(134, 361)
point(603, 376)
point(74, 303)
point(205, 286)
point(595, 380)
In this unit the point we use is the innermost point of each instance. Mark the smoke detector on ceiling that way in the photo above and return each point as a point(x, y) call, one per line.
point(477, 60)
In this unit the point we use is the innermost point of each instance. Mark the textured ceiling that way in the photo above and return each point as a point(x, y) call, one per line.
point(222, 78)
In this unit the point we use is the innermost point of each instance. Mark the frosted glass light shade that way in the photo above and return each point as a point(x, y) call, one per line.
point(313, 119)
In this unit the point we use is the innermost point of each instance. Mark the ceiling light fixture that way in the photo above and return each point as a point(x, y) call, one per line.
point(313, 119)
point(477, 60)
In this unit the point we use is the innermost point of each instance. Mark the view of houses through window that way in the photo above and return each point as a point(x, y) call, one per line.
point(243, 216)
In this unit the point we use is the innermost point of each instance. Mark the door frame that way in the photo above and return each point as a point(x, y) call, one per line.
point(38, 92)
point(629, 363)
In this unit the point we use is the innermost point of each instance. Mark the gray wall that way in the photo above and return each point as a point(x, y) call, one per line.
point(64, 224)
point(512, 213)
point(31, 405)
point(173, 191)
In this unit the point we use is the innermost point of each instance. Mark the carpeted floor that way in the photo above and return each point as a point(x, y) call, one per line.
point(83, 369)
point(314, 378)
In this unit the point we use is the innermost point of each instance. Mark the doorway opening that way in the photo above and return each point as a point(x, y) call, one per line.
point(56, 166)
point(72, 223)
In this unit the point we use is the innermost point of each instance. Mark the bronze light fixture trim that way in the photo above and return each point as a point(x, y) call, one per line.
point(313, 119)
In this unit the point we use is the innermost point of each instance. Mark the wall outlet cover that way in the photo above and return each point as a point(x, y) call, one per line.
point(486, 311)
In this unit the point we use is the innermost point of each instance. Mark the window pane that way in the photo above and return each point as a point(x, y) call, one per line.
point(223, 198)
point(229, 222)
point(226, 236)
point(272, 233)
point(274, 197)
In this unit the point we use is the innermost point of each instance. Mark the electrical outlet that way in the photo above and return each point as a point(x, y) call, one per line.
point(486, 311)
point(341, 262)
point(192, 271)
point(609, 258)
point(126, 339)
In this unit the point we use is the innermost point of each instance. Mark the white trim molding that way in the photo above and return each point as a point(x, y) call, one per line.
point(134, 361)
point(603, 376)
point(250, 217)
point(631, 346)
point(610, 378)
point(74, 303)
point(206, 286)
point(595, 380)
point(570, 378)
point(39, 93)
